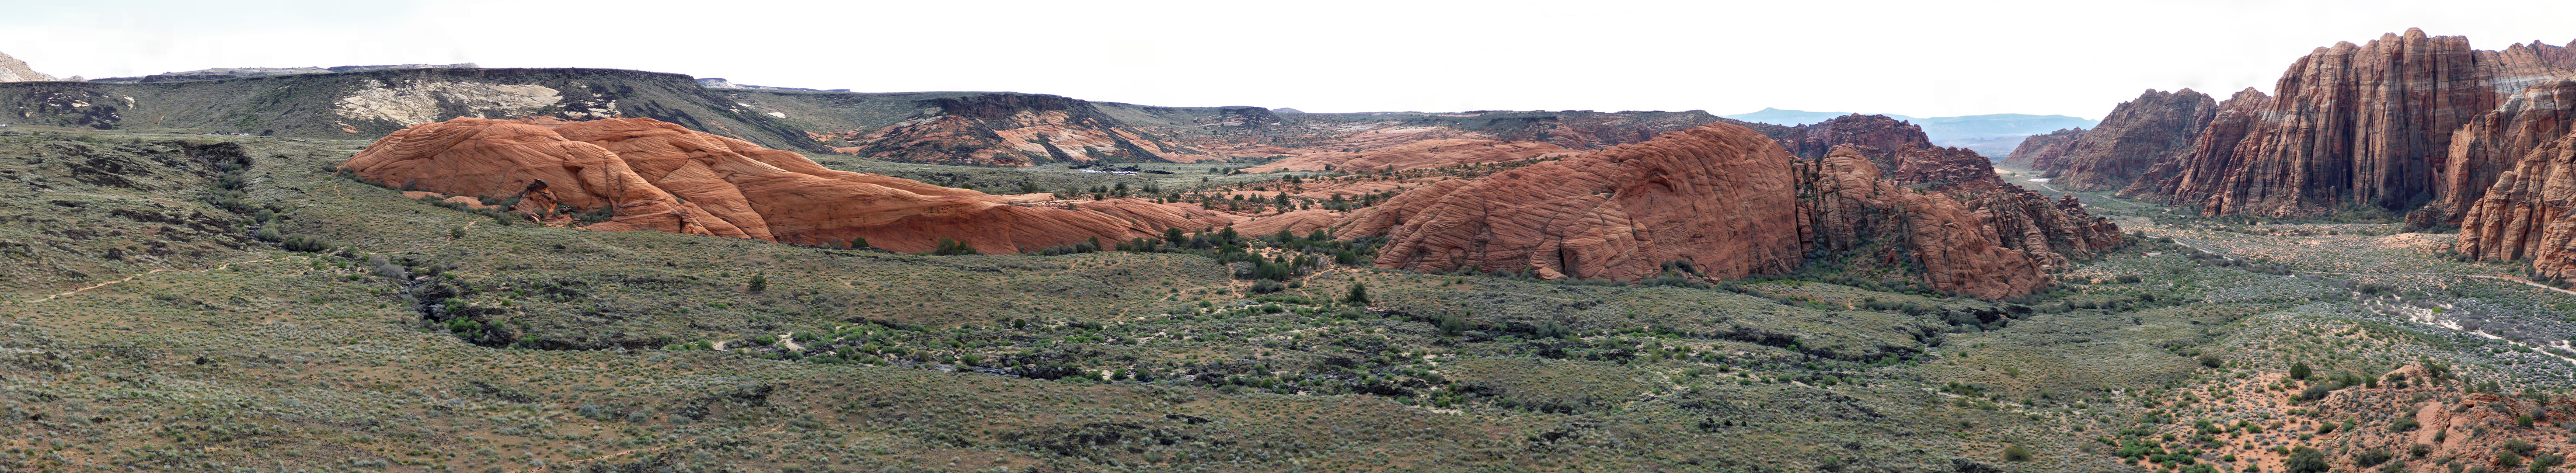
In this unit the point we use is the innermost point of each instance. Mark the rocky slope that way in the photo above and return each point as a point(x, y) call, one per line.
point(1016, 130)
point(372, 104)
point(1729, 202)
point(1417, 155)
point(2351, 125)
point(14, 70)
point(653, 175)
point(2529, 213)
point(2155, 127)
point(1880, 134)
point(2040, 152)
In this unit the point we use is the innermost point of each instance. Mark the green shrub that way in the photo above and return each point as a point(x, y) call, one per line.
point(2017, 453)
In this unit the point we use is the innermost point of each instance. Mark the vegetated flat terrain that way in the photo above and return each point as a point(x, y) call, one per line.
point(233, 305)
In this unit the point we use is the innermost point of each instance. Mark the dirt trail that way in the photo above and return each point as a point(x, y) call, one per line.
point(137, 275)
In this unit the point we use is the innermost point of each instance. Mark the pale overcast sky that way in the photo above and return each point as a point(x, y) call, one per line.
point(1915, 58)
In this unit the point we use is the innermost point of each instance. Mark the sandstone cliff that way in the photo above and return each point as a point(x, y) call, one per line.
point(1730, 203)
point(659, 176)
point(2351, 125)
point(2529, 213)
point(2496, 141)
point(1720, 197)
point(2041, 152)
point(2155, 127)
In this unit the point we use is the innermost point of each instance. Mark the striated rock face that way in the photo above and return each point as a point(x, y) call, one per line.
point(1720, 197)
point(659, 176)
point(2529, 213)
point(2156, 127)
point(2352, 125)
point(2041, 152)
point(14, 70)
point(1729, 202)
point(2496, 141)
point(1417, 155)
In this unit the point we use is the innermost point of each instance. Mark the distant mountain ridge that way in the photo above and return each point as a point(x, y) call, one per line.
point(1993, 135)
point(221, 73)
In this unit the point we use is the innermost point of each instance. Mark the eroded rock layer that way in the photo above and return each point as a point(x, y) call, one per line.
point(659, 176)
point(2527, 214)
point(2155, 127)
point(1729, 202)
point(1719, 197)
point(2496, 141)
point(2351, 126)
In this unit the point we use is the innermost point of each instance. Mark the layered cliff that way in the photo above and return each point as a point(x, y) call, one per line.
point(2351, 125)
point(2155, 127)
point(652, 175)
point(2529, 213)
point(2041, 152)
point(2495, 141)
point(1730, 202)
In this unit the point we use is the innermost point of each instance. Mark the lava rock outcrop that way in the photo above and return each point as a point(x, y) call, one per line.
point(652, 175)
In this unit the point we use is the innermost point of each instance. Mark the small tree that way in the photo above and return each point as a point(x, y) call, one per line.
point(1359, 294)
point(759, 283)
point(2017, 453)
point(2305, 460)
point(951, 247)
point(2300, 370)
point(859, 243)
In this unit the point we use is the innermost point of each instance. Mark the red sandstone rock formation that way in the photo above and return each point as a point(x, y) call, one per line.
point(2156, 127)
point(1416, 155)
point(1878, 132)
point(1868, 224)
point(1936, 165)
point(2529, 213)
point(2041, 152)
point(2351, 125)
point(2496, 141)
point(1720, 197)
point(659, 176)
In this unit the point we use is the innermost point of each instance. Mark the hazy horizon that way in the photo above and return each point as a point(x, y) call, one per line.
point(1921, 60)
